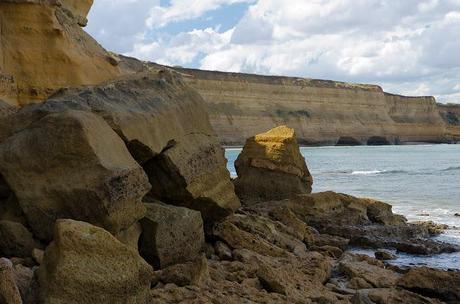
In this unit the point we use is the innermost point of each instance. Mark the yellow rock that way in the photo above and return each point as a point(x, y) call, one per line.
point(271, 167)
point(43, 48)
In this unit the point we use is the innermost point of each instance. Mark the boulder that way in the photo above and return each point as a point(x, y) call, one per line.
point(271, 167)
point(61, 166)
point(45, 49)
point(171, 235)
point(435, 283)
point(165, 125)
point(86, 264)
point(9, 291)
point(16, 240)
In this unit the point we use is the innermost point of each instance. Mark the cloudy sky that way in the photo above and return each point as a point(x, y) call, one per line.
point(408, 46)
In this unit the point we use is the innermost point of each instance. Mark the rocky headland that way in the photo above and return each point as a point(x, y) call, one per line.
point(114, 189)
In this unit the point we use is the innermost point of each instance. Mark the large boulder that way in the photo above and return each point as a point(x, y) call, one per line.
point(44, 48)
point(165, 126)
point(171, 235)
point(271, 167)
point(86, 264)
point(71, 164)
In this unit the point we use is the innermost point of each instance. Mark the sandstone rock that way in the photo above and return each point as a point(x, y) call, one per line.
point(171, 235)
point(330, 240)
point(259, 234)
point(166, 128)
point(194, 272)
point(130, 236)
point(432, 227)
point(371, 271)
point(44, 49)
point(16, 240)
point(390, 296)
point(385, 255)
point(86, 264)
point(79, 9)
point(331, 251)
point(23, 277)
point(223, 251)
point(444, 285)
point(9, 292)
point(270, 167)
point(237, 238)
point(38, 255)
point(60, 167)
point(366, 223)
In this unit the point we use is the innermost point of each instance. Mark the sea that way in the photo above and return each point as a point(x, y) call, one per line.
point(422, 182)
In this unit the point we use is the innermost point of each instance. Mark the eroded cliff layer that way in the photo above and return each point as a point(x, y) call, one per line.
point(321, 112)
point(43, 48)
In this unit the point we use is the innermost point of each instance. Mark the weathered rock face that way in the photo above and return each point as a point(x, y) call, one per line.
point(165, 125)
point(271, 167)
point(321, 112)
point(61, 166)
point(152, 118)
point(363, 222)
point(433, 282)
point(86, 264)
point(171, 235)
point(43, 49)
point(451, 115)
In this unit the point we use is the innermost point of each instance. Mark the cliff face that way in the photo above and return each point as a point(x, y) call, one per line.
point(43, 48)
point(321, 112)
point(451, 116)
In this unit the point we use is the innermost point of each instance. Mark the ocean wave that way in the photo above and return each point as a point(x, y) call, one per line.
point(452, 169)
point(375, 172)
point(372, 172)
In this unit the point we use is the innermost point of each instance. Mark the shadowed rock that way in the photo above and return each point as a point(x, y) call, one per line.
point(171, 235)
point(71, 164)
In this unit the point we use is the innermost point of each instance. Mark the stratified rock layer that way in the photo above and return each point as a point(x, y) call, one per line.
point(271, 167)
point(322, 112)
point(86, 264)
point(43, 49)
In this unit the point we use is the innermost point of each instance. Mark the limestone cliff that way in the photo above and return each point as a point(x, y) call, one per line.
point(43, 48)
point(321, 112)
point(451, 115)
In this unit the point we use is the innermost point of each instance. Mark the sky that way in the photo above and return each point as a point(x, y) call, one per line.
point(409, 47)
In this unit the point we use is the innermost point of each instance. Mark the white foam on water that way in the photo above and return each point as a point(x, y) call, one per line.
point(366, 172)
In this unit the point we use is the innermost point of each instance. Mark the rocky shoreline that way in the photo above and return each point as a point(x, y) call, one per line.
point(114, 189)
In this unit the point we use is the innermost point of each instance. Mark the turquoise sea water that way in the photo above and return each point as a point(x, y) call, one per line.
point(422, 182)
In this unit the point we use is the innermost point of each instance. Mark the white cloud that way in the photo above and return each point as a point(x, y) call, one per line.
point(180, 10)
point(409, 47)
point(118, 24)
